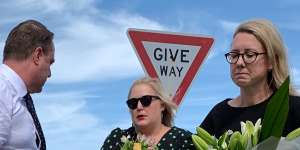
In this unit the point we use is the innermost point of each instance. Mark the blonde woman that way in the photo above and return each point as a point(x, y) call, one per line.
point(152, 116)
point(258, 66)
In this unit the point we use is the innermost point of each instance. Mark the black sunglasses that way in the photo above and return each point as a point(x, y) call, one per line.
point(145, 101)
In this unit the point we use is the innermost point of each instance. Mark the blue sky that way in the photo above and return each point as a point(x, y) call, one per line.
point(95, 63)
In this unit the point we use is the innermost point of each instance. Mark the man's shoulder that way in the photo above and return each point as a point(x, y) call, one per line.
point(7, 94)
point(7, 90)
point(5, 85)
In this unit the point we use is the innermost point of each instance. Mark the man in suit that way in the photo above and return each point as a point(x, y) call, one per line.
point(27, 57)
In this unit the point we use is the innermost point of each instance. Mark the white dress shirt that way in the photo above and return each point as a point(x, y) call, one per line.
point(17, 130)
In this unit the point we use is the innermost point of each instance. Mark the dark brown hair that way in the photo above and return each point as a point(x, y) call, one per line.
point(24, 38)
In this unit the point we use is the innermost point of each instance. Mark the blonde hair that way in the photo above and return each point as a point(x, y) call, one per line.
point(267, 34)
point(170, 107)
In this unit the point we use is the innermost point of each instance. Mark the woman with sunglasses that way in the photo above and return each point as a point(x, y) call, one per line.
point(258, 66)
point(152, 114)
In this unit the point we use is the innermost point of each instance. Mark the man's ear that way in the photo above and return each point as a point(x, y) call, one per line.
point(37, 54)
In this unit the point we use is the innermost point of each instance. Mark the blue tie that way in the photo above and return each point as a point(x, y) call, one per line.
point(40, 139)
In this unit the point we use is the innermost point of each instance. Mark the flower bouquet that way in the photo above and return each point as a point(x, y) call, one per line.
point(247, 139)
point(141, 143)
point(256, 136)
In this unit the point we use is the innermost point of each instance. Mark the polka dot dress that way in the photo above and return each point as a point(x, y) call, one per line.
point(175, 139)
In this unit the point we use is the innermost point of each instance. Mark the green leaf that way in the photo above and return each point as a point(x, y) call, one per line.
point(276, 112)
point(222, 140)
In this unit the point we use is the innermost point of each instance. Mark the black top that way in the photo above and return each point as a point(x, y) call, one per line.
point(176, 138)
point(224, 117)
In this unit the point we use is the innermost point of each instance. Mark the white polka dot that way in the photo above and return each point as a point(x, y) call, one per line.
point(174, 137)
point(164, 139)
point(182, 134)
point(170, 133)
point(115, 135)
point(171, 145)
point(185, 141)
point(110, 147)
point(117, 143)
point(108, 141)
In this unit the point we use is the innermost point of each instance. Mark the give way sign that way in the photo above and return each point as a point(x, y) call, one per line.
point(174, 58)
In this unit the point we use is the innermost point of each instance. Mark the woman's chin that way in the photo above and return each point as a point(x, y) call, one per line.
point(242, 84)
point(141, 123)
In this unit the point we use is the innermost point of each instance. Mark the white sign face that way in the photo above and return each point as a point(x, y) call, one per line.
point(174, 58)
point(171, 62)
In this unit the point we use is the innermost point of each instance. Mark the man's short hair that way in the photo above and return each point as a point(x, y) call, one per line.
point(24, 38)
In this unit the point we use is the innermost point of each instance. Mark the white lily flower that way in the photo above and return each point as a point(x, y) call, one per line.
point(243, 127)
point(257, 125)
point(124, 139)
point(229, 132)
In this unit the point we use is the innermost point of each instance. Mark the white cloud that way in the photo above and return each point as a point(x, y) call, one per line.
point(1, 47)
point(91, 45)
point(221, 48)
point(49, 5)
point(296, 77)
point(98, 50)
point(47, 11)
point(92, 50)
point(1, 50)
point(65, 118)
point(64, 108)
point(126, 20)
point(228, 26)
point(59, 5)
